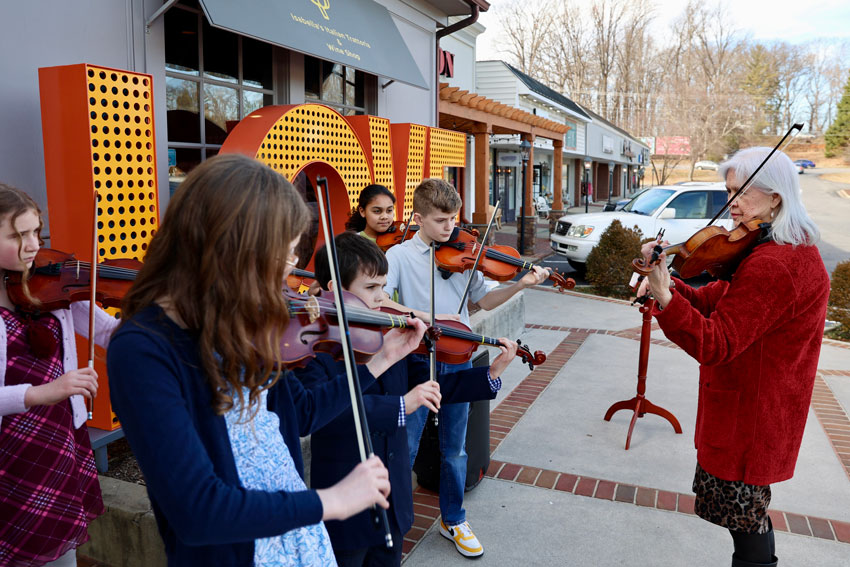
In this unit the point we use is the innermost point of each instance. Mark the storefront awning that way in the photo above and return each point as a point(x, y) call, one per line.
point(356, 33)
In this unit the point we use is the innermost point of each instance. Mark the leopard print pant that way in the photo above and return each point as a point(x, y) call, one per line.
point(731, 504)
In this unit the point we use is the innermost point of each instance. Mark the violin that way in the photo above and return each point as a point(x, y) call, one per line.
point(57, 279)
point(399, 232)
point(395, 234)
point(299, 277)
point(500, 263)
point(314, 328)
point(712, 249)
point(455, 343)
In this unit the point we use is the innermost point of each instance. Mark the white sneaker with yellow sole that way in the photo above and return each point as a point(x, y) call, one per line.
point(465, 541)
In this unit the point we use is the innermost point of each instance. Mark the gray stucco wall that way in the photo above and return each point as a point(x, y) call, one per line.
point(45, 33)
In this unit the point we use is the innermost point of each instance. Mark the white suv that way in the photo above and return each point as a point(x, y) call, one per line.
point(680, 210)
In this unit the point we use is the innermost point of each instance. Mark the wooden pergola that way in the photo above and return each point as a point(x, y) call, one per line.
point(480, 116)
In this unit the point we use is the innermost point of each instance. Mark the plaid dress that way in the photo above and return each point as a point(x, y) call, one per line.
point(49, 491)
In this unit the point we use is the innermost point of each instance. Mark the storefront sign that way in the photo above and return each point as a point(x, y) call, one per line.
point(357, 33)
point(508, 159)
point(445, 63)
point(607, 144)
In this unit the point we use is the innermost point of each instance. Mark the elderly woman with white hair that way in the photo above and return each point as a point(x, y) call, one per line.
point(757, 338)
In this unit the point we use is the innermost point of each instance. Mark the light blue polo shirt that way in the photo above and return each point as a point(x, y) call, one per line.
point(410, 275)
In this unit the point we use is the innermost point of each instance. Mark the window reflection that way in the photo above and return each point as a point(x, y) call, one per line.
point(181, 42)
point(257, 64)
point(221, 106)
point(181, 100)
point(251, 101)
point(221, 54)
point(340, 87)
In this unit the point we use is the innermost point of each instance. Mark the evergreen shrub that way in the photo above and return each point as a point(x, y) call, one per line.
point(839, 300)
point(609, 264)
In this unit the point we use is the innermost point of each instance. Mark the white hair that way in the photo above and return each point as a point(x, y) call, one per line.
point(779, 176)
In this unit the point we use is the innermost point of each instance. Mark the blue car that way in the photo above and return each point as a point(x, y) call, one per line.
point(805, 163)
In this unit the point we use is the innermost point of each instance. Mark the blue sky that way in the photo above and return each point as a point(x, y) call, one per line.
point(795, 21)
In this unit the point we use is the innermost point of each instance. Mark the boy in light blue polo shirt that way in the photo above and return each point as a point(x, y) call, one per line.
point(436, 204)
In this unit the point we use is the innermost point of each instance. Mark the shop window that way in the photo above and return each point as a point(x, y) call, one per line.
point(213, 79)
point(344, 89)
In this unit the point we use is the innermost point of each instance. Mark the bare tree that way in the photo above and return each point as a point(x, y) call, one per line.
point(836, 76)
point(606, 17)
point(790, 68)
point(526, 33)
point(817, 61)
point(567, 54)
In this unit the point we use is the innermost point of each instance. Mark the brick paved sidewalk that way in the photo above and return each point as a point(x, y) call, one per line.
point(810, 526)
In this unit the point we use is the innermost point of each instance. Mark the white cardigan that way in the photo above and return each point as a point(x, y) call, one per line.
point(74, 319)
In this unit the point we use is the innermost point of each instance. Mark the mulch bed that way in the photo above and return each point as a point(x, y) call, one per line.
point(122, 463)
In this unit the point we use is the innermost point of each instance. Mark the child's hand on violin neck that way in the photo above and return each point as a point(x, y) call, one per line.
point(508, 350)
point(536, 275)
point(426, 394)
point(367, 485)
point(82, 382)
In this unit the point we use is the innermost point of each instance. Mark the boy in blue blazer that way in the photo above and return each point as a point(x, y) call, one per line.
point(355, 541)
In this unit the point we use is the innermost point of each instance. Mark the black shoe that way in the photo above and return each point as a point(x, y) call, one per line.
point(741, 563)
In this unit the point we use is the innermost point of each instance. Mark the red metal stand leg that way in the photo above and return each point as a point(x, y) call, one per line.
point(639, 404)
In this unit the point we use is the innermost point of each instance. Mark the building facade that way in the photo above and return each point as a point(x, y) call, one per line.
point(213, 62)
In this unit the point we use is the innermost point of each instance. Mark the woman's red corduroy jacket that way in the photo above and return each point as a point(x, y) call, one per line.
point(757, 339)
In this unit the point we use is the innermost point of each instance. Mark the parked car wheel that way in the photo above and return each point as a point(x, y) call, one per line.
point(580, 267)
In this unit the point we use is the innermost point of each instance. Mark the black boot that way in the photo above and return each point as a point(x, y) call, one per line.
point(752, 549)
point(741, 563)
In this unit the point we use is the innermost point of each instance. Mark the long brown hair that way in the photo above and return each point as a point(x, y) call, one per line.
point(219, 259)
point(14, 203)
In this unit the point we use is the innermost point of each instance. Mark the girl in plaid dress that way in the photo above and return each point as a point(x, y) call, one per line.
point(49, 490)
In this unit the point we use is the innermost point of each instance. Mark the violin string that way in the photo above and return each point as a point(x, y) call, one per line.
point(367, 316)
point(118, 271)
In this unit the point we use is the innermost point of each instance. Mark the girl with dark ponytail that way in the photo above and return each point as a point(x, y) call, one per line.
point(374, 213)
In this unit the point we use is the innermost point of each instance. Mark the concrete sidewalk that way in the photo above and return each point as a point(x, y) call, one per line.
point(561, 489)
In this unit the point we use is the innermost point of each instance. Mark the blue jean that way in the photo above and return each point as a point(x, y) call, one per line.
point(452, 435)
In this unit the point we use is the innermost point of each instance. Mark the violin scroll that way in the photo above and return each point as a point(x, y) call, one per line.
point(560, 281)
point(532, 360)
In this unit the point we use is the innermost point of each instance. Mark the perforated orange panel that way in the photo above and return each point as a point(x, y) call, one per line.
point(446, 148)
point(409, 152)
point(123, 158)
point(98, 132)
point(382, 156)
point(311, 132)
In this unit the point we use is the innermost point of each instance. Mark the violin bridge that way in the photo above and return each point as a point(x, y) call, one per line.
point(313, 309)
point(78, 269)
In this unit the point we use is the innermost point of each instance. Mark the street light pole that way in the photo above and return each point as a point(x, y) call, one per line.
point(587, 165)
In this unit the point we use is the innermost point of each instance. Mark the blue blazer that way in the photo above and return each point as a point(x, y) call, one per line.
point(334, 446)
point(163, 400)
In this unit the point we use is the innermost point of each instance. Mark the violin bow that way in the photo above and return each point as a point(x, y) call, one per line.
point(431, 343)
point(92, 304)
point(361, 424)
point(477, 258)
point(746, 185)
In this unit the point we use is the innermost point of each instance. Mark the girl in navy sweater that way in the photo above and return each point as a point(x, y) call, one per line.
point(214, 426)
